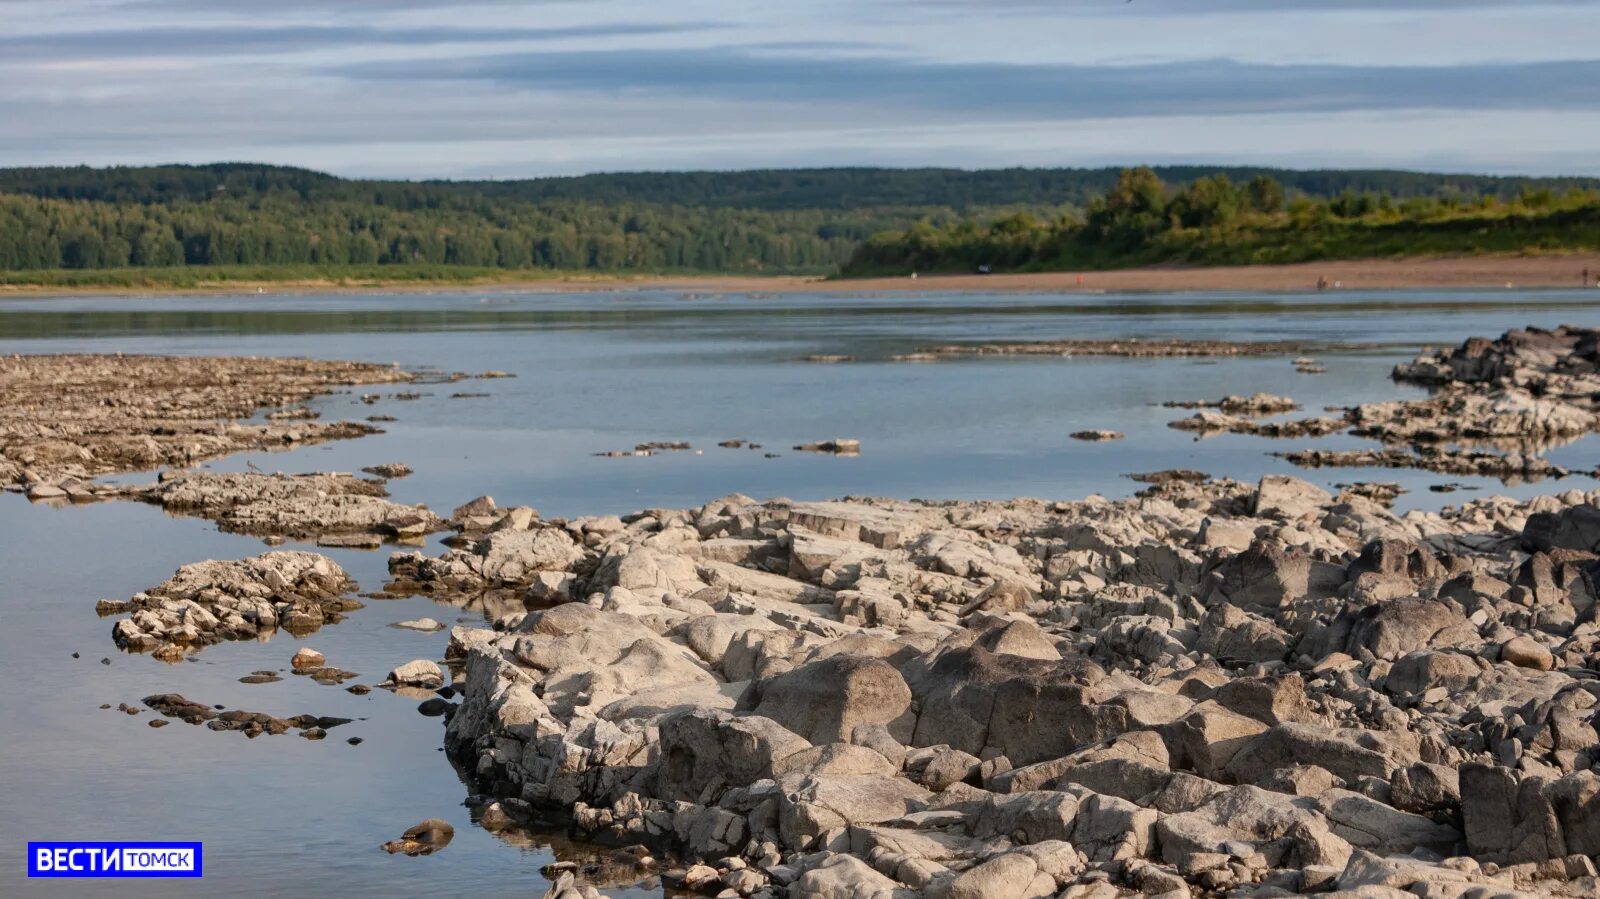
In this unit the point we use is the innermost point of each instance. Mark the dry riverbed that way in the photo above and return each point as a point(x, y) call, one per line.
point(1213, 687)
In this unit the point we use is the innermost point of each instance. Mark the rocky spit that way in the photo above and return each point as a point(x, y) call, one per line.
point(1168, 348)
point(1211, 688)
point(214, 601)
point(1214, 687)
point(66, 419)
point(1496, 407)
point(319, 505)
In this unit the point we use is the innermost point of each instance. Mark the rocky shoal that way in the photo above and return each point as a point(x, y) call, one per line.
point(67, 418)
point(1211, 688)
point(1214, 687)
point(1496, 408)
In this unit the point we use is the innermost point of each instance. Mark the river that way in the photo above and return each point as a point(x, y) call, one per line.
point(283, 816)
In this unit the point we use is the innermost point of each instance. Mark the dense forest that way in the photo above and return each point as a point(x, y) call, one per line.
point(806, 220)
point(1213, 220)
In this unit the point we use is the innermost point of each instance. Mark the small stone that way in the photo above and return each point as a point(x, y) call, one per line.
point(419, 624)
point(434, 707)
point(699, 878)
point(307, 658)
point(417, 673)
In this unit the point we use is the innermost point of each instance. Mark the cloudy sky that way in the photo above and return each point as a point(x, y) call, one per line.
point(508, 88)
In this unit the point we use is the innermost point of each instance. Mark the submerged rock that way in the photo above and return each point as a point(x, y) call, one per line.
point(425, 838)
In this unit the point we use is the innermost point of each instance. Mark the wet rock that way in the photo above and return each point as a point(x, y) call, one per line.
point(839, 446)
point(434, 707)
point(417, 673)
point(388, 470)
point(251, 724)
point(1255, 404)
point(305, 658)
point(419, 624)
point(425, 838)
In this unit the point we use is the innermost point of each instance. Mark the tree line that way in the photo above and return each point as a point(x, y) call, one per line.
point(1214, 220)
point(38, 233)
point(771, 189)
point(805, 220)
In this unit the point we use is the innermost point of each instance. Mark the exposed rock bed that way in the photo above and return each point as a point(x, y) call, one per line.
point(1255, 404)
point(300, 506)
point(1497, 406)
point(1214, 687)
point(67, 418)
point(1133, 348)
point(838, 446)
point(1207, 422)
point(212, 601)
point(251, 724)
point(1511, 468)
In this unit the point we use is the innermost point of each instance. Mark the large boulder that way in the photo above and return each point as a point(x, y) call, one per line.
point(1576, 527)
point(1014, 875)
point(1510, 819)
point(810, 806)
point(1391, 630)
point(1349, 753)
point(846, 877)
point(1286, 830)
point(706, 752)
point(825, 701)
point(1262, 580)
point(1028, 710)
point(1282, 496)
point(1371, 825)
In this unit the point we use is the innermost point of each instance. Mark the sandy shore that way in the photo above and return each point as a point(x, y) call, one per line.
point(1467, 272)
point(1474, 272)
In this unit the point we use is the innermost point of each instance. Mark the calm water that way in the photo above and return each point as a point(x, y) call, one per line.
point(284, 816)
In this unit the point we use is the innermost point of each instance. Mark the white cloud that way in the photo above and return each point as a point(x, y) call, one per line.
point(439, 89)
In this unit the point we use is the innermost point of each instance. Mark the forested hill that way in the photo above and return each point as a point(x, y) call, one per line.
point(775, 221)
point(766, 189)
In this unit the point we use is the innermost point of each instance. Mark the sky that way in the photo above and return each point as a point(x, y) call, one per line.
point(520, 88)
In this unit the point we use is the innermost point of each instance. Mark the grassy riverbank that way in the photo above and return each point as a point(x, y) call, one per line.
point(1214, 222)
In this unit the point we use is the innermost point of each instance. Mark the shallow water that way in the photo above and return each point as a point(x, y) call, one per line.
point(596, 372)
